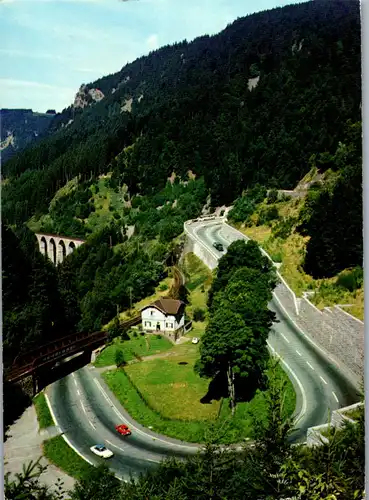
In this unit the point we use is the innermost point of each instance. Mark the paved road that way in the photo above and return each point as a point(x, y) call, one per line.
point(321, 387)
point(87, 411)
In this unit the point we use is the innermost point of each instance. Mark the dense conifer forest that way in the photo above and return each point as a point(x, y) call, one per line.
point(272, 95)
point(214, 122)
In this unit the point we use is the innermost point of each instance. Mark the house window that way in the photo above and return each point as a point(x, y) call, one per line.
point(169, 325)
point(148, 323)
point(151, 313)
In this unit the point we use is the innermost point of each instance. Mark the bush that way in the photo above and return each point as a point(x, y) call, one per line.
point(277, 257)
point(158, 336)
point(119, 358)
point(351, 280)
point(163, 287)
point(142, 333)
point(134, 334)
point(267, 215)
point(285, 197)
point(284, 227)
point(124, 335)
point(114, 329)
point(199, 314)
point(136, 201)
point(272, 196)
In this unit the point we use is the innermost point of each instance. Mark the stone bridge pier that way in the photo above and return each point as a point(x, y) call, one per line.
point(56, 248)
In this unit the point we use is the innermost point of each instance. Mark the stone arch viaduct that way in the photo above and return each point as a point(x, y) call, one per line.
point(56, 248)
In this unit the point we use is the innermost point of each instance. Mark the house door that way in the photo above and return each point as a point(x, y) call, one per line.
point(158, 326)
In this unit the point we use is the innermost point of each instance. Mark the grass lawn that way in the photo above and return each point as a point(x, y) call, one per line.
point(43, 413)
point(172, 389)
point(198, 281)
point(142, 345)
point(164, 395)
point(290, 253)
point(61, 455)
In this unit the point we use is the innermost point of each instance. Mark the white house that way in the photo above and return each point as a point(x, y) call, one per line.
point(164, 315)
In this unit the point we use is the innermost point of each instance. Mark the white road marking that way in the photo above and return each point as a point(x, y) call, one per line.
point(285, 338)
point(298, 352)
point(335, 397)
point(83, 408)
point(75, 383)
point(67, 440)
point(115, 446)
point(131, 425)
point(323, 379)
point(304, 403)
point(307, 362)
point(92, 425)
point(75, 449)
point(78, 392)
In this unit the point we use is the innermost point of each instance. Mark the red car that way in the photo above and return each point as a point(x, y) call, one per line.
point(123, 430)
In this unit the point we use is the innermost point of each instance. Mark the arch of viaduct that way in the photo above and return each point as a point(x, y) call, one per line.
point(56, 248)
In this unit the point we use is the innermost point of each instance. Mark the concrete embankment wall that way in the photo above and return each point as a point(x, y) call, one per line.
point(335, 331)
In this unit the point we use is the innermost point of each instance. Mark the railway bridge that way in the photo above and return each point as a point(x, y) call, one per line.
point(55, 247)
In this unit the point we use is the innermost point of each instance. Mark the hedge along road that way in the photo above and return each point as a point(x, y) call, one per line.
point(320, 386)
point(87, 411)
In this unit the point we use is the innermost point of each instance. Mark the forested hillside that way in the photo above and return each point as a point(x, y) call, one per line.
point(259, 103)
point(20, 128)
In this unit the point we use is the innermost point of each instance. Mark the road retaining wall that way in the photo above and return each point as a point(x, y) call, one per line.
point(338, 420)
point(333, 329)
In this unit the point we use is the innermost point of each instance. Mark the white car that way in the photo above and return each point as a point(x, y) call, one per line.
point(195, 340)
point(101, 451)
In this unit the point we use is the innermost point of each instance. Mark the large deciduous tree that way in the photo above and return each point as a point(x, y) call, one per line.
point(234, 343)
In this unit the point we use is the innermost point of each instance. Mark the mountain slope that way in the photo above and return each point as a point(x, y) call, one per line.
point(20, 128)
point(261, 103)
point(192, 109)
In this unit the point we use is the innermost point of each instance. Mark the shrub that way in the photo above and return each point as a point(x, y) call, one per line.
point(163, 287)
point(277, 256)
point(284, 227)
point(272, 196)
point(134, 334)
point(119, 358)
point(158, 336)
point(136, 201)
point(267, 215)
point(285, 197)
point(124, 335)
point(351, 280)
point(199, 314)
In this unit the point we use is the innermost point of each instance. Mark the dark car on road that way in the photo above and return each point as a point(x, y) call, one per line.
point(218, 246)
